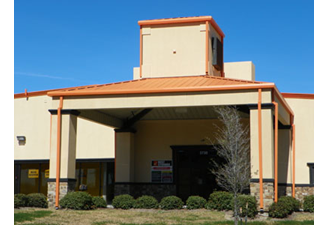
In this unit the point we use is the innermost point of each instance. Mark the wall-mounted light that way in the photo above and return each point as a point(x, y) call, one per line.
point(21, 140)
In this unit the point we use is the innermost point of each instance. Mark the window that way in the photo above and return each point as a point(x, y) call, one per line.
point(311, 166)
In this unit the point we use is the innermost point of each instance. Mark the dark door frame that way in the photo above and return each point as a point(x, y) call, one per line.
point(175, 148)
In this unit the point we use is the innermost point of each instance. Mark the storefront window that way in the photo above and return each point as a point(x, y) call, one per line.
point(97, 178)
point(29, 178)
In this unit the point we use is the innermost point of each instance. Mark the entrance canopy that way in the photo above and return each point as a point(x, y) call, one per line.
point(121, 105)
point(136, 95)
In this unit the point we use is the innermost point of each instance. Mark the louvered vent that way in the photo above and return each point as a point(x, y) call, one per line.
point(217, 53)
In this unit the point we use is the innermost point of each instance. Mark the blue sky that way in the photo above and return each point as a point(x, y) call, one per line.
point(61, 43)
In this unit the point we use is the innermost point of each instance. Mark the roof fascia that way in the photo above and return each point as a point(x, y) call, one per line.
point(183, 20)
point(162, 91)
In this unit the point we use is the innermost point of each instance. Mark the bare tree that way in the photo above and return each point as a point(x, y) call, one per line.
point(232, 143)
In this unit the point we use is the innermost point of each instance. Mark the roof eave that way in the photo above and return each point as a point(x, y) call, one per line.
point(162, 91)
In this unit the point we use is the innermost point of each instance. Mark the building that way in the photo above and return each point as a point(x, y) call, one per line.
point(146, 135)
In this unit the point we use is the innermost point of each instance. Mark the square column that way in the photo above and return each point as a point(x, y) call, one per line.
point(267, 155)
point(67, 154)
point(124, 156)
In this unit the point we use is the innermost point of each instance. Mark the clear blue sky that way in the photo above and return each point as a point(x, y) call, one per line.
point(62, 43)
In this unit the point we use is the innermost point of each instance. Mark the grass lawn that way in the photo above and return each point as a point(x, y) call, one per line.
point(36, 216)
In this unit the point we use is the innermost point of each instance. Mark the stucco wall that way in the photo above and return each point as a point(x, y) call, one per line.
point(304, 124)
point(154, 138)
point(176, 50)
point(240, 70)
point(32, 120)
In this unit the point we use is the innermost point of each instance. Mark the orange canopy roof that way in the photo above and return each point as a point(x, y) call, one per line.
point(163, 85)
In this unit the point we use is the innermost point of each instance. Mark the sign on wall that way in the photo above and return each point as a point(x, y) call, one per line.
point(33, 173)
point(47, 173)
point(162, 171)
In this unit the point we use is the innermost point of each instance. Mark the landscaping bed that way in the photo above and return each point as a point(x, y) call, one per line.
point(147, 217)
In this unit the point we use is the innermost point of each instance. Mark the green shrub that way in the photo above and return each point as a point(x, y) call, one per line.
point(195, 202)
point(220, 200)
point(17, 202)
point(124, 201)
point(250, 201)
point(146, 202)
point(290, 203)
point(22, 199)
point(171, 202)
point(278, 210)
point(308, 204)
point(99, 202)
point(77, 201)
point(38, 200)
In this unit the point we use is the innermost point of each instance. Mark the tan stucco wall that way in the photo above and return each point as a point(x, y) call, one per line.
point(94, 140)
point(176, 50)
point(267, 144)
point(156, 137)
point(284, 156)
point(32, 119)
point(304, 124)
point(125, 156)
point(240, 70)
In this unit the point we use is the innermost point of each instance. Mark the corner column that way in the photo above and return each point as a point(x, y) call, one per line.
point(67, 154)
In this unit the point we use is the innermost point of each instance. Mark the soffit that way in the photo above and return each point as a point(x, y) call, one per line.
point(172, 113)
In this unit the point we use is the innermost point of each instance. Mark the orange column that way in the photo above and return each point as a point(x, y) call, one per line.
point(141, 51)
point(259, 106)
point(207, 48)
point(58, 152)
point(276, 151)
point(293, 160)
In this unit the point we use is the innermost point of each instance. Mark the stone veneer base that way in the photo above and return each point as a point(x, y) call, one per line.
point(268, 190)
point(300, 191)
point(65, 187)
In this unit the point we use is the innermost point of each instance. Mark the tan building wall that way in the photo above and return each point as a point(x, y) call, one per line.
point(304, 124)
point(240, 70)
point(32, 120)
point(176, 50)
point(156, 137)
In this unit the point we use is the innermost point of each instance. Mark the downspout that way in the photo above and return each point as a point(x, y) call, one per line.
point(115, 156)
point(58, 152)
point(293, 158)
point(26, 94)
point(276, 150)
point(259, 106)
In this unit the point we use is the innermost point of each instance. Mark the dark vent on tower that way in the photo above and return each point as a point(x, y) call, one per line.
point(217, 53)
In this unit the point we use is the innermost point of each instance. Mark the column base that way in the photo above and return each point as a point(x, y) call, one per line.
point(268, 191)
point(67, 185)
